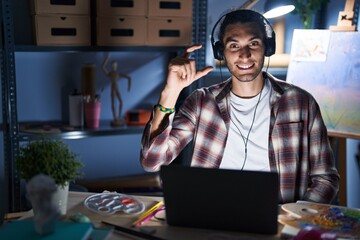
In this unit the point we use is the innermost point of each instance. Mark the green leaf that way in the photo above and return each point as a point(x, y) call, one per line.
point(51, 157)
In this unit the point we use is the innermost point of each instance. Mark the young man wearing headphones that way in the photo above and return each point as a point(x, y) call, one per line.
point(251, 121)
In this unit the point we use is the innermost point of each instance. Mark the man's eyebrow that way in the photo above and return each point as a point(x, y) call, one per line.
point(232, 39)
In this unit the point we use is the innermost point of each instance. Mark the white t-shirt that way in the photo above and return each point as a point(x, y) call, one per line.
point(242, 117)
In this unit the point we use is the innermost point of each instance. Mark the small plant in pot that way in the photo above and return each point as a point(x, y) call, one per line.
point(51, 157)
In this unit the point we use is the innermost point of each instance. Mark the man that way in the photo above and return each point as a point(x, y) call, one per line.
point(251, 121)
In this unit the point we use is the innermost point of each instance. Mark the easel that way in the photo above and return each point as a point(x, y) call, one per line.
point(345, 24)
point(346, 18)
point(338, 144)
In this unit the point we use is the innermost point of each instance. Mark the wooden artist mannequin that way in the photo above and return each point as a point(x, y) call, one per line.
point(114, 75)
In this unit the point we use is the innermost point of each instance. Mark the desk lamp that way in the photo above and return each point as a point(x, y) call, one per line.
point(277, 8)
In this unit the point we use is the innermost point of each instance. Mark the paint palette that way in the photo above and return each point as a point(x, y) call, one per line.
point(340, 221)
point(110, 203)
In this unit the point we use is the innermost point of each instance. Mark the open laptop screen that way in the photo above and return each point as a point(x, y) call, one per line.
point(224, 199)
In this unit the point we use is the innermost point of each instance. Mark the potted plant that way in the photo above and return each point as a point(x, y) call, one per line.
point(51, 157)
point(306, 10)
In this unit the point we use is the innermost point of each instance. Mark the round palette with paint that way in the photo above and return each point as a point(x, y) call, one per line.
point(110, 203)
point(340, 221)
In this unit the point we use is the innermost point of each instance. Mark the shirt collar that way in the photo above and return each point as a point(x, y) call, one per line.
point(224, 88)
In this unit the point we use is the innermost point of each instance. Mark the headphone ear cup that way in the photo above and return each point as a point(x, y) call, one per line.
point(270, 45)
point(218, 51)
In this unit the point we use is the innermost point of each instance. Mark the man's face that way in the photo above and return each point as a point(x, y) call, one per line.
point(244, 50)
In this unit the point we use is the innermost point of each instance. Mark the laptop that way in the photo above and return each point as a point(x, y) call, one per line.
point(222, 199)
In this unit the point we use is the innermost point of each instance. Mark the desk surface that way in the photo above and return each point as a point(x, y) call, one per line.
point(76, 205)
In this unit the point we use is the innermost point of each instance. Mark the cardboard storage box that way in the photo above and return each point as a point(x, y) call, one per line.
point(170, 8)
point(78, 7)
point(106, 8)
point(120, 31)
point(169, 32)
point(62, 30)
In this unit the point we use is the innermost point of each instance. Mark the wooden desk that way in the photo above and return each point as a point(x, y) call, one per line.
point(76, 205)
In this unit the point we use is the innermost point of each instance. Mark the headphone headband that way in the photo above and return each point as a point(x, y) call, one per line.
point(268, 30)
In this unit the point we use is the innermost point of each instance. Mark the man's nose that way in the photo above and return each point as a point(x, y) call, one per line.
point(244, 52)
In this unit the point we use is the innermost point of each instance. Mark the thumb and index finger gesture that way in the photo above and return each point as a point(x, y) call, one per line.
point(182, 69)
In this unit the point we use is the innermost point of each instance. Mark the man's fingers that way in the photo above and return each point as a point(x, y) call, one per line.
point(191, 49)
point(203, 72)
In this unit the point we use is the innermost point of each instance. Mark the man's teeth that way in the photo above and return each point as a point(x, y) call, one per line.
point(245, 66)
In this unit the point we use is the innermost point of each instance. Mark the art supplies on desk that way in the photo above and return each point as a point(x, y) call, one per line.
point(110, 203)
point(340, 221)
point(149, 213)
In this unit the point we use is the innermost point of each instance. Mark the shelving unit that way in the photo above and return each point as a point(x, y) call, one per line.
point(11, 188)
point(32, 48)
point(79, 133)
point(10, 125)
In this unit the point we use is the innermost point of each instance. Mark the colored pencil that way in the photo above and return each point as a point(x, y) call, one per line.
point(148, 214)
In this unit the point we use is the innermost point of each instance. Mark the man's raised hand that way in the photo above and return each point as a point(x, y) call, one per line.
point(183, 72)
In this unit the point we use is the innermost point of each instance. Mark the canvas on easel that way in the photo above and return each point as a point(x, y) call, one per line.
point(327, 64)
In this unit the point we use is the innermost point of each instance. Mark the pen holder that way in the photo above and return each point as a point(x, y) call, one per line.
point(92, 114)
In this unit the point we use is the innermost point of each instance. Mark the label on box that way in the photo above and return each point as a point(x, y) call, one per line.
point(170, 8)
point(69, 30)
point(121, 31)
point(169, 32)
point(106, 8)
point(78, 7)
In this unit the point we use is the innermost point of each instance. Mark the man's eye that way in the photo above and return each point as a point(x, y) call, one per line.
point(254, 44)
point(232, 46)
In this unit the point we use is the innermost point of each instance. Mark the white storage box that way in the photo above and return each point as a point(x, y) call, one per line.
point(120, 31)
point(106, 8)
point(78, 7)
point(62, 30)
point(170, 8)
point(169, 32)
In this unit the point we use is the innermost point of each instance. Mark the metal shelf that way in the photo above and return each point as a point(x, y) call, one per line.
point(30, 131)
point(35, 48)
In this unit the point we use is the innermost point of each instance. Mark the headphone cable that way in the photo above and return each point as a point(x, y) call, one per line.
point(221, 75)
point(245, 140)
point(268, 63)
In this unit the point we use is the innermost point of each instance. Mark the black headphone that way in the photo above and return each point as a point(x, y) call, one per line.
point(269, 38)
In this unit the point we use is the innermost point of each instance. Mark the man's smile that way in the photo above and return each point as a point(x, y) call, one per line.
point(245, 66)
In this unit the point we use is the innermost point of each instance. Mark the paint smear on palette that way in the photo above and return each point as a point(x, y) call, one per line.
point(341, 221)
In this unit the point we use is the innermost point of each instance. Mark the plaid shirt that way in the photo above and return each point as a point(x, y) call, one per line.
point(299, 148)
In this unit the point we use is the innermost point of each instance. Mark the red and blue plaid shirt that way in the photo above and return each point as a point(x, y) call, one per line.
point(299, 148)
